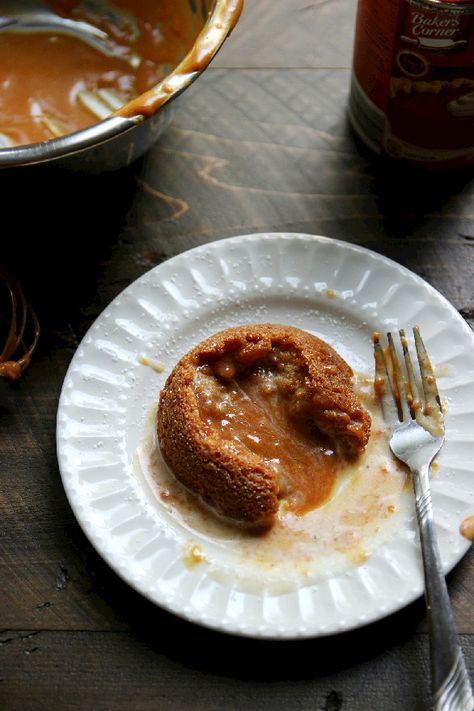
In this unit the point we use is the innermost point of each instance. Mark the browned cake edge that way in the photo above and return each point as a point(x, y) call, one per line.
point(239, 488)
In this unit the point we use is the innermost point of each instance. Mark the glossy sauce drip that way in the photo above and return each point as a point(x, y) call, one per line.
point(467, 528)
point(252, 413)
point(42, 76)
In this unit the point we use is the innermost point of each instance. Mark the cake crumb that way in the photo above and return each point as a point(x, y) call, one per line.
point(193, 556)
point(155, 365)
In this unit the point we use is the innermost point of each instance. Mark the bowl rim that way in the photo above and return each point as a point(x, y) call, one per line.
point(221, 19)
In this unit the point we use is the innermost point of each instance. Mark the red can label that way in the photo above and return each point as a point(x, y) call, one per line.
point(413, 80)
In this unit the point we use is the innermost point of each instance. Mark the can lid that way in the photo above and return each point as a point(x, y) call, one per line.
point(457, 6)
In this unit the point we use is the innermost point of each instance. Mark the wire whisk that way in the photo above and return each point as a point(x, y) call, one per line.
point(19, 328)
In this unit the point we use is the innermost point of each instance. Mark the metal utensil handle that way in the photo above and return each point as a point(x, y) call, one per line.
point(450, 681)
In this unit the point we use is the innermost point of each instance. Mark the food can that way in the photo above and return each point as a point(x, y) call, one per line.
point(412, 88)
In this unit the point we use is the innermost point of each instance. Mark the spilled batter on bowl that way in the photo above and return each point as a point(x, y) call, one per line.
point(273, 453)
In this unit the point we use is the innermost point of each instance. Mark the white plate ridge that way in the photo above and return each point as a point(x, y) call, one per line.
point(336, 290)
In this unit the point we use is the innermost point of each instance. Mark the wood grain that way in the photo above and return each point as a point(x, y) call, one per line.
point(204, 671)
point(294, 34)
point(261, 143)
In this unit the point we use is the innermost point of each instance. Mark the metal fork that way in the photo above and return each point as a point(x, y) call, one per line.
point(416, 425)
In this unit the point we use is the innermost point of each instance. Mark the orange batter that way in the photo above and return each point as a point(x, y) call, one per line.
point(42, 76)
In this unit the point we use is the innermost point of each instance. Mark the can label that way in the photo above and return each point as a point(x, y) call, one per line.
point(412, 94)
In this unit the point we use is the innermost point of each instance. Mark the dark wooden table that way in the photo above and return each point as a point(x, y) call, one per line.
point(261, 144)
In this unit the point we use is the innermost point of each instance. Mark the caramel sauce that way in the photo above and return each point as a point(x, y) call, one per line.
point(10, 369)
point(467, 528)
point(252, 414)
point(42, 75)
point(222, 20)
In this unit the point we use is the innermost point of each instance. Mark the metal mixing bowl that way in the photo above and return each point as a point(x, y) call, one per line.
point(117, 141)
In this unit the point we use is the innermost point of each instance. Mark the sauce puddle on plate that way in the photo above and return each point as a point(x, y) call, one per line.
point(368, 503)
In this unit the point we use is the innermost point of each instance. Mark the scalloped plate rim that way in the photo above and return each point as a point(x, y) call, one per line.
point(262, 631)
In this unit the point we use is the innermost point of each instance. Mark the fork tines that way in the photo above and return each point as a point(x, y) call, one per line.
point(398, 391)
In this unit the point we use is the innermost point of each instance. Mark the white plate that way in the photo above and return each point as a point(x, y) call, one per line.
point(336, 290)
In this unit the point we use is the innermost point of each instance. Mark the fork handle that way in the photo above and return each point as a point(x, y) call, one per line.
point(450, 681)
